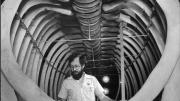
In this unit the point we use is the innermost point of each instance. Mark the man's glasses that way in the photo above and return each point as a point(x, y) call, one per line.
point(75, 67)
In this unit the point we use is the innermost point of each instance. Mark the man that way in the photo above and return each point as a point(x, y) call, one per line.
point(80, 86)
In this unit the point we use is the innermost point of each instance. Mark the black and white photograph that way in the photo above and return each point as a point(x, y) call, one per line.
point(90, 50)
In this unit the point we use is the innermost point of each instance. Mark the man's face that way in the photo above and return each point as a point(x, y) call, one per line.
point(76, 67)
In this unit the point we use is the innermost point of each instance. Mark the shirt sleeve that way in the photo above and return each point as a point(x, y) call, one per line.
point(63, 91)
point(99, 91)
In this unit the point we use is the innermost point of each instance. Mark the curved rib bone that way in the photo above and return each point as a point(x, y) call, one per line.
point(160, 75)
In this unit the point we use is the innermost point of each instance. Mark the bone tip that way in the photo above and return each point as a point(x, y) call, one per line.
point(106, 8)
point(67, 12)
point(64, 0)
point(70, 12)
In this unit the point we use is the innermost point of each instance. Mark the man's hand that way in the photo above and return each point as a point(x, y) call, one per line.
point(106, 98)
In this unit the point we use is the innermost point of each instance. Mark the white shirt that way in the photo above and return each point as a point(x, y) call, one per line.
point(84, 89)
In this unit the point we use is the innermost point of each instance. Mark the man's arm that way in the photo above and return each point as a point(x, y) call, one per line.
point(60, 99)
point(63, 93)
point(106, 98)
point(99, 91)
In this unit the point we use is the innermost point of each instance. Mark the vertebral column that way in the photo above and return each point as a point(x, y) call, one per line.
point(88, 13)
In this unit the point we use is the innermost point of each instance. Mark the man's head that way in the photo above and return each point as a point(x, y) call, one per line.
point(77, 64)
